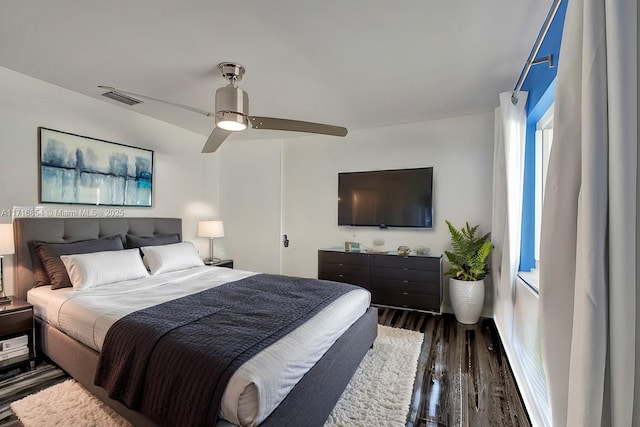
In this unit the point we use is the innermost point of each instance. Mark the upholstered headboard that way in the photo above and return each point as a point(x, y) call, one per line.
point(64, 230)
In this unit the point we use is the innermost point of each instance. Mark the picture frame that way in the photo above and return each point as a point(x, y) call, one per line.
point(80, 170)
point(352, 247)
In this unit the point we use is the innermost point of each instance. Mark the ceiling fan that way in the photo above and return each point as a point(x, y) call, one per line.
point(232, 111)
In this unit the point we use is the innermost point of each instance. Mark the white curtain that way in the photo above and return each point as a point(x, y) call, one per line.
point(508, 175)
point(588, 252)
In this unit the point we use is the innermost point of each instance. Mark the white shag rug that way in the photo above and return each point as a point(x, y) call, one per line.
point(378, 394)
point(380, 391)
point(66, 404)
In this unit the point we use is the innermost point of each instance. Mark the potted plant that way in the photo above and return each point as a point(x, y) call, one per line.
point(468, 268)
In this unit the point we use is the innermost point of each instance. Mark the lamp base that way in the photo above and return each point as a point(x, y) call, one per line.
point(5, 300)
point(212, 261)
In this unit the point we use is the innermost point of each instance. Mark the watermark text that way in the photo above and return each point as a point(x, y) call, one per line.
point(47, 212)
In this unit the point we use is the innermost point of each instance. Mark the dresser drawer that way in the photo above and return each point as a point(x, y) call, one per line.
point(400, 286)
point(345, 258)
point(405, 274)
point(412, 263)
point(353, 280)
point(406, 300)
point(344, 269)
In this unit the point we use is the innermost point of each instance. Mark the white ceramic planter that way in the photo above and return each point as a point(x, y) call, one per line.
point(467, 300)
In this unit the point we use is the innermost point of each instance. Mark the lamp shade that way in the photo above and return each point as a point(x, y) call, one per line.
point(6, 239)
point(210, 229)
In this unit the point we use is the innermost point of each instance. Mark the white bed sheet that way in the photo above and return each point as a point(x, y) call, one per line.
point(259, 385)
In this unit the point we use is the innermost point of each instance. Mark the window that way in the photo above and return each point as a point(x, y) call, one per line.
point(543, 142)
point(544, 139)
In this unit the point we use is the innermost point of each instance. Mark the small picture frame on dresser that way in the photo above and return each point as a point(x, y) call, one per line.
point(352, 247)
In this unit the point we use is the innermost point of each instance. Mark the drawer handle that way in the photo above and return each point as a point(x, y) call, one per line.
point(405, 281)
point(340, 265)
point(340, 275)
point(405, 293)
point(405, 269)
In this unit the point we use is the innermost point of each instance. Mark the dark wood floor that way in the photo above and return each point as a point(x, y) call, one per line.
point(463, 377)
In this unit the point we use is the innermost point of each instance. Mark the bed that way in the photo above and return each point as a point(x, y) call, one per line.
point(308, 403)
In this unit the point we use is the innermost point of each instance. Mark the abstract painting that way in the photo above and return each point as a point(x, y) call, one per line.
point(77, 169)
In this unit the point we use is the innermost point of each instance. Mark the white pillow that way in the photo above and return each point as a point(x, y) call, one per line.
point(177, 256)
point(100, 268)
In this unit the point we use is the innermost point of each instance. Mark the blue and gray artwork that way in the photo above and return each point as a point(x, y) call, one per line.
point(85, 171)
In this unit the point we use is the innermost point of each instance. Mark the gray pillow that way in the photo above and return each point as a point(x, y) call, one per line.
point(49, 254)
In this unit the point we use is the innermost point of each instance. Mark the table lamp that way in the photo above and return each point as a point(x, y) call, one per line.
point(211, 230)
point(6, 248)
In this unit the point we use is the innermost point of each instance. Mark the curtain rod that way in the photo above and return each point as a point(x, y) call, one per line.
point(536, 47)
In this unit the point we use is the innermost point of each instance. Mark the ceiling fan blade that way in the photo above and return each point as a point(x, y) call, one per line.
point(217, 137)
point(175, 104)
point(296, 125)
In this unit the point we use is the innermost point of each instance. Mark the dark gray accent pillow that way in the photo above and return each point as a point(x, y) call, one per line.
point(39, 272)
point(157, 240)
point(49, 254)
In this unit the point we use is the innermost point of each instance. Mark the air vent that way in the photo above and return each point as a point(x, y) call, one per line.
point(121, 98)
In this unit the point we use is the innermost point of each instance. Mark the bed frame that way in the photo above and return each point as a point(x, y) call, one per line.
point(309, 403)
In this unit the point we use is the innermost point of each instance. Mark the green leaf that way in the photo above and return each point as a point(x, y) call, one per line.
point(469, 254)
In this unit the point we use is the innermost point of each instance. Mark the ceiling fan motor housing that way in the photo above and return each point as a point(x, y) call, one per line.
point(232, 104)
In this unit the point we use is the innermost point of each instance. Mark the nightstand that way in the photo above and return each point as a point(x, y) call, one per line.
point(16, 319)
point(224, 263)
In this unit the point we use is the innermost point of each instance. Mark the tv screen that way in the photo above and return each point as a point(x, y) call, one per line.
point(389, 198)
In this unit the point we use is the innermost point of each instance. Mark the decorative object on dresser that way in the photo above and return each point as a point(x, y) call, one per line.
point(211, 230)
point(406, 282)
point(87, 171)
point(378, 247)
point(17, 339)
point(6, 248)
point(421, 250)
point(404, 250)
point(468, 268)
point(352, 247)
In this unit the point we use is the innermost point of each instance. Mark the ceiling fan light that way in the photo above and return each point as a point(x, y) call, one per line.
point(232, 126)
point(231, 121)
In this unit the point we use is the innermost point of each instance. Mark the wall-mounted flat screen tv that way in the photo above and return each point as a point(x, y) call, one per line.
point(387, 198)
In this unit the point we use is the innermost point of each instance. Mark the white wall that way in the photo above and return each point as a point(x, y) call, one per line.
point(460, 150)
point(180, 171)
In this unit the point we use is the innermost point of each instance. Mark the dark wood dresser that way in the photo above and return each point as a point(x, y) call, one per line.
point(407, 282)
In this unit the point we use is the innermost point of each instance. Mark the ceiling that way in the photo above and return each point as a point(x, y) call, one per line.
point(358, 63)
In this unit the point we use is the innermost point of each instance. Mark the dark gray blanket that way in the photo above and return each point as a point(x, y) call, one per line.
point(172, 361)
